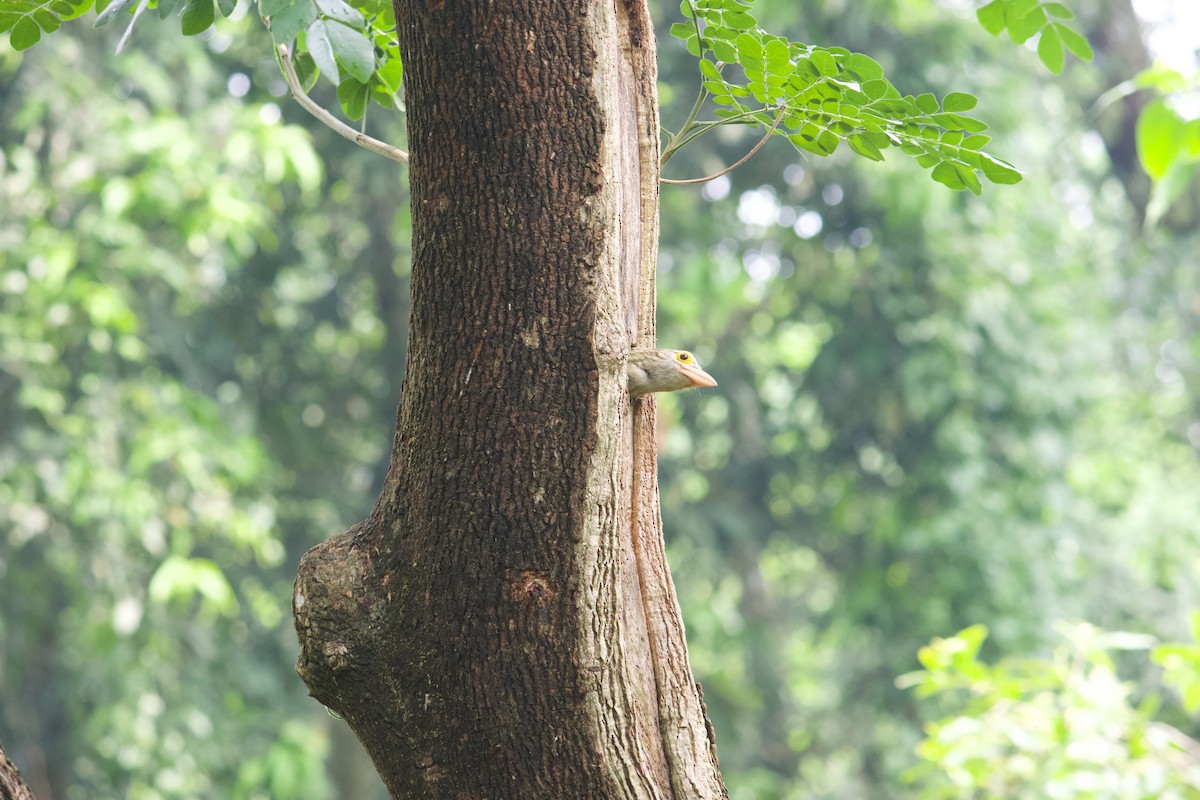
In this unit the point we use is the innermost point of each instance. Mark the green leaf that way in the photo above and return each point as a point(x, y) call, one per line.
point(749, 48)
point(828, 142)
point(864, 147)
point(824, 62)
point(269, 8)
point(862, 67)
point(381, 95)
point(46, 20)
point(720, 33)
point(353, 50)
point(878, 138)
point(928, 103)
point(287, 23)
point(709, 70)
point(25, 34)
point(872, 124)
point(998, 171)
point(1050, 49)
point(319, 45)
point(343, 13)
point(970, 157)
point(1078, 45)
point(958, 178)
point(777, 54)
point(682, 30)
point(114, 9)
point(805, 143)
point(960, 121)
point(80, 7)
point(166, 8)
point(1159, 134)
point(976, 141)
point(991, 16)
point(391, 73)
point(958, 101)
point(353, 96)
point(1058, 10)
point(739, 20)
point(970, 179)
point(198, 16)
point(1022, 28)
point(724, 51)
point(1190, 146)
point(306, 71)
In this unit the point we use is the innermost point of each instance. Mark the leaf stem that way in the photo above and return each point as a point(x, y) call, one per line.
point(676, 141)
point(680, 139)
point(740, 161)
point(330, 121)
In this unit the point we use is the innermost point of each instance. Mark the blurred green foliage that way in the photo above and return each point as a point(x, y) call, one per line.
point(932, 412)
point(1061, 727)
point(195, 387)
point(935, 412)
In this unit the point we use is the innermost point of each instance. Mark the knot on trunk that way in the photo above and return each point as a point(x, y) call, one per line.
point(341, 590)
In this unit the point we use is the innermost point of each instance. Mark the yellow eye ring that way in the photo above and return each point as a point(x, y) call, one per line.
point(683, 357)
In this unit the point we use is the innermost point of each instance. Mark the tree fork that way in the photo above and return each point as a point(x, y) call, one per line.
point(503, 624)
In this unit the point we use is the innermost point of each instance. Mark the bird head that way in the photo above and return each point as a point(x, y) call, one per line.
point(662, 370)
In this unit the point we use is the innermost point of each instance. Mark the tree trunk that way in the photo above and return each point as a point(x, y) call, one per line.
point(503, 624)
point(11, 785)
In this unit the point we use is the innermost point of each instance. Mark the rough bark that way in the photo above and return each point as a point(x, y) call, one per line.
point(503, 624)
point(11, 785)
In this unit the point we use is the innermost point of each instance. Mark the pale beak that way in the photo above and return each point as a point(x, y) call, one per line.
point(698, 377)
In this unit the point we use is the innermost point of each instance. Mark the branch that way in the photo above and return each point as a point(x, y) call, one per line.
point(740, 161)
point(330, 121)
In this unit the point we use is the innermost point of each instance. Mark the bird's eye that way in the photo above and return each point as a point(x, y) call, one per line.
point(684, 357)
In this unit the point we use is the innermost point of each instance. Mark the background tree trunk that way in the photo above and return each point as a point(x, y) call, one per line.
point(503, 625)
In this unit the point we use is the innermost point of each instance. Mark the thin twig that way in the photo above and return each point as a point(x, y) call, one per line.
point(330, 121)
point(701, 128)
point(740, 161)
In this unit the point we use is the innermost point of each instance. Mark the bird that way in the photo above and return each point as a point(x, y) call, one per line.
point(662, 370)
